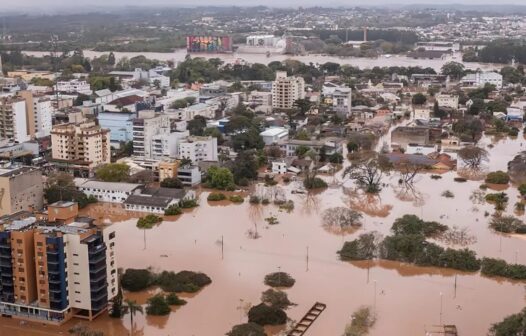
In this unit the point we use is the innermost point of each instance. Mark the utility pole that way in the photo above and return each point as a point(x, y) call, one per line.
point(441, 308)
point(54, 61)
point(222, 248)
point(307, 258)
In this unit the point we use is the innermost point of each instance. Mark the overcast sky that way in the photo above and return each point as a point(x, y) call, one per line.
point(42, 5)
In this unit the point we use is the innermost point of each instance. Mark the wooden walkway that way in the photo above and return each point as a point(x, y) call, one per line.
point(304, 324)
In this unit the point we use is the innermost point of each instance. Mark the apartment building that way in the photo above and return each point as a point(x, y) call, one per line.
point(480, 79)
point(74, 86)
point(198, 148)
point(447, 100)
point(286, 90)
point(14, 120)
point(146, 127)
point(56, 267)
point(342, 101)
point(80, 147)
point(21, 189)
point(39, 113)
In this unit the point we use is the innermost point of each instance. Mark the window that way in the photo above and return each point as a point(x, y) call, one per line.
point(112, 235)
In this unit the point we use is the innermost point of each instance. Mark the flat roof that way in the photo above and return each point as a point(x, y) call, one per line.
point(111, 186)
point(274, 131)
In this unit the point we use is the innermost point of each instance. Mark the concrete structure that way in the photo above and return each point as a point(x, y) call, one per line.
point(262, 40)
point(330, 145)
point(74, 86)
point(449, 46)
point(261, 100)
point(189, 175)
point(112, 192)
point(198, 149)
point(447, 100)
point(65, 266)
point(14, 121)
point(148, 125)
point(274, 135)
point(480, 79)
point(21, 188)
point(80, 147)
point(120, 125)
point(403, 136)
point(166, 145)
point(342, 102)
point(421, 112)
point(168, 169)
point(286, 90)
point(153, 76)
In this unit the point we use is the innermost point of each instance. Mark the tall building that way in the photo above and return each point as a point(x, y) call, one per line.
point(14, 120)
point(198, 148)
point(286, 90)
point(39, 111)
point(80, 147)
point(146, 127)
point(21, 189)
point(56, 268)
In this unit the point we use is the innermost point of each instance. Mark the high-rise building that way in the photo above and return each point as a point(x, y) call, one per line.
point(56, 267)
point(21, 189)
point(148, 126)
point(14, 120)
point(286, 90)
point(198, 148)
point(39, 111)
point(80, 147)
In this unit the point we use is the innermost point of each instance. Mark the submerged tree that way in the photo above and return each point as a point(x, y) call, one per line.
point(341, 218)
point(473, 156)
point(367, 174)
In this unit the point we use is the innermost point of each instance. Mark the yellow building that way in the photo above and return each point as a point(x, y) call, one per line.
point(168, 169)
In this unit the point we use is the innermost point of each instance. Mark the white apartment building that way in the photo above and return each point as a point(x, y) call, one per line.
point(342, 101)
point(83, 144)
point(147, 126)
point(286, 90)
point(447, 100)
point(43, 110)
point(74, 86)
point(480, 79)
point(13, 120)
point(198, 149)
point(167, 145)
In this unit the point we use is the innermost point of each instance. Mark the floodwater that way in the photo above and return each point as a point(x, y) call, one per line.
point(406, 299)
point(383, 61)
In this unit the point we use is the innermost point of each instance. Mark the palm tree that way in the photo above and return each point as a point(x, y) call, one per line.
point(132, 307)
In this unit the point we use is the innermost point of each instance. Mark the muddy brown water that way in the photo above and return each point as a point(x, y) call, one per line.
point(407, 299)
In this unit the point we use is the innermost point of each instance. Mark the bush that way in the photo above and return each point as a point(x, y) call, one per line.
point(184, 281)
point(448, 194)
point(172, 182)
point(269, 181)
point(483, 186)
point(220, 178)
point(173, 210)
point(157, 306)
point(499, 267)
point(276, 299)
point(173, 300)
point(519, 206)
point(236, 199)
point(188, 203)
point(214, 197)
point(522, 189)
point(286, 179)
point(135, 280)
point(287, 206)
point(507, 224)
point(314, 183)
point(279, 279)
point(265, 201)
point(247, 329)
point(362, 248)
point(514, 131)
point(511, 325)
point(460, 179)
point(411, 224)
point(254, 200)
point(499, 199)
point(498, 177)
point(436, 177)
point(148, 221)
point(266, 315)
point(362, 321)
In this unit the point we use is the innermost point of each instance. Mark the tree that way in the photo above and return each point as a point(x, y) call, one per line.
point(135, 280)
point(266, 315)
point(362, 321)
point(276, 298)
point(367, 174)
point(279, 279)
point(60, 187)
point(419, 99)
point(247, 329)
point(411, 224)
point(249, 139)
point(365, 247)
point(113, 172)
point(473, 156)
point(133, 308)
point(158, 306)
point(341, 218)
point(117, 309)
point(301, 150)
point(303, 105)
point(245, 166)
point(220, 178)
point(454, 70)
point(511, 325)
point(172, 182)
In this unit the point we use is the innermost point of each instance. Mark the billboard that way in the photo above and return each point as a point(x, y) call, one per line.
point(209, 44)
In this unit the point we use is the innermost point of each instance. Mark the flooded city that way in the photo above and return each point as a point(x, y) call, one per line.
point(408, 300)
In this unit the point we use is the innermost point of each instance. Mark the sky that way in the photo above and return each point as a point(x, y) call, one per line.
point(48, 4)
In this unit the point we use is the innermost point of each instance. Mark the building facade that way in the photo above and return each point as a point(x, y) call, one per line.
point(56, 268)
point(21, 189)
point(13, 120)
point(147, 126)
point(198, 149)
point(286, 90)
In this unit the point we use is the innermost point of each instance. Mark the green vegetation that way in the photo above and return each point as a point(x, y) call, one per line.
point(188, 203)
point(498, 177)
point(246, 329)
point(254, 199)
point(60, 187)
point(510, 325)
point(362, 248)
point(500, 200)
point(113, 172)
point(276, 299)
point(362, 321)
point(279, 279)
point(460, 179)
point(436, 177)
point(522, 189)
point(314, 183)
point(287, 206)
point(173, 210)
point(448, 194)
point(412, 225)
point(220, 178)
point(173, 300)
point(172, 182)
point(507, 224)
point(148, 221)
point(236, 199)
point(263, 314)
point(497, 267)
point(214, 197)
point(272, 220)
point(158, 306)
point(135, 280)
